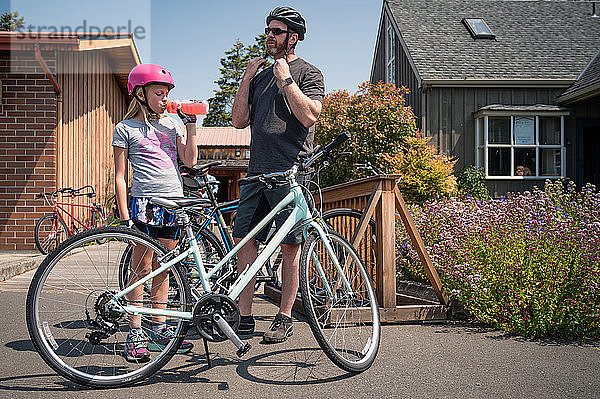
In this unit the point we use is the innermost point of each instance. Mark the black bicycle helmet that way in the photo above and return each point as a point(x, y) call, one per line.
point(291, 18)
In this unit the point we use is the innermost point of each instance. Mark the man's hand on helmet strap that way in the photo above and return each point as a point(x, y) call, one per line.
point(186, 118)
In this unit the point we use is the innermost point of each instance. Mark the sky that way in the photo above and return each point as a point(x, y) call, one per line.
point(190, 37)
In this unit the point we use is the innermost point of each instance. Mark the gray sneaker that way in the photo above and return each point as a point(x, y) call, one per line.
point(281, 328)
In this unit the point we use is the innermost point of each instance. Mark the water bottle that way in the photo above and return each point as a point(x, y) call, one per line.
point(191, 107)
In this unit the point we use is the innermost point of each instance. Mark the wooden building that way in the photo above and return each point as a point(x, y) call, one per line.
point(511, 86)
point(62, 95)
point(231, 146)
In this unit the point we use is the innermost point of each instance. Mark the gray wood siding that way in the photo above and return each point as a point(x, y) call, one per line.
point(582, 113)
point(405, 75)
point(589, 108)
point(378, 73)
point(449, 121)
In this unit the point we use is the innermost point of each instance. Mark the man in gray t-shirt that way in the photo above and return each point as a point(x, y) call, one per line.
point(281, 104)
point(278, 137)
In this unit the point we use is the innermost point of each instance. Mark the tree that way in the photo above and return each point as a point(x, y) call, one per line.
point(384, 133)
point(232, 68)
point(378, 120)
point(10, 21)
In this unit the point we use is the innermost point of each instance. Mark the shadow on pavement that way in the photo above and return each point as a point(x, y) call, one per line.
point(297, 366)
point(463, 327)
point(39, 383)
point(24, 345)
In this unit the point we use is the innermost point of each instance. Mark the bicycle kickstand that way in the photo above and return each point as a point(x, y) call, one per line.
point(207, 353)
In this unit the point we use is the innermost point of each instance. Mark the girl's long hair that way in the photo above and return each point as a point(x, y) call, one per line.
point(136, 106)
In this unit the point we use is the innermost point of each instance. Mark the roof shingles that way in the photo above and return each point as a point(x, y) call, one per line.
point(534, 39)
point(223, 137)
point(589, 77)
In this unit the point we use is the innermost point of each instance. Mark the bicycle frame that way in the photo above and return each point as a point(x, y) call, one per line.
point(300, 213)
point(217, 215)
point(59, 209)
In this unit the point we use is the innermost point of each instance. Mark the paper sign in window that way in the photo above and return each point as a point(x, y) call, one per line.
point(524, 130)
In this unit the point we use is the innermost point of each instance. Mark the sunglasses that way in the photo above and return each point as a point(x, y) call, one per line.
point(275, 31)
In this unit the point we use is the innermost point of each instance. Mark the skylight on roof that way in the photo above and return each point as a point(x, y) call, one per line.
point(478, 28)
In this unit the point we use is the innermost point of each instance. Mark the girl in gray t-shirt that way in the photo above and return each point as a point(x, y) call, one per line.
point(150, 142)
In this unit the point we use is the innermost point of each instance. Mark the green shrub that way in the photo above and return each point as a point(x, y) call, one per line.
point(425, 173)
point(378, 120)
point(471, 181)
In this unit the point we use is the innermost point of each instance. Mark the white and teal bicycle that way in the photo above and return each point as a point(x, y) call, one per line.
point(78, 310)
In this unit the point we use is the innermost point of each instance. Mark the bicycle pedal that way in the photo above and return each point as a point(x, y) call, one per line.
point(243, 350)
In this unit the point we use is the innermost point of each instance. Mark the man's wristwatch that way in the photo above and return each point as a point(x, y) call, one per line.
point(288, 81)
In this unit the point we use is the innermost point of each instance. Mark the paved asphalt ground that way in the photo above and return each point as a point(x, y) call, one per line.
point(444, 360)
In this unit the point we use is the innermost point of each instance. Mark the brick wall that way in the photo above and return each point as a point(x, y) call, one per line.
point(27, 145)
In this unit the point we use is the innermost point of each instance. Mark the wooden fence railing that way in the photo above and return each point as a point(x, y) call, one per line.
point(380, 199)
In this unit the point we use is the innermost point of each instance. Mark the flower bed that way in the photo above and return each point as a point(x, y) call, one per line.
point(528, 263)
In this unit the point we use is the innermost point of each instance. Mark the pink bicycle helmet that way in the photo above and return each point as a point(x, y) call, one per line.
point(144, 74)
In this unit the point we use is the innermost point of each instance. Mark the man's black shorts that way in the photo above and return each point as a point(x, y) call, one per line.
point(256, 201)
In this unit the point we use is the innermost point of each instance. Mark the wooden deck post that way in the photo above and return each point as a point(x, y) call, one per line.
point(386, 260)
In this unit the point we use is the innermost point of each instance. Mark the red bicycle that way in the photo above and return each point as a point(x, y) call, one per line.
point(63, 222)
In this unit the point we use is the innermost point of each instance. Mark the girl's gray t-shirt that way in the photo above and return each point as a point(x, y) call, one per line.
point(153, 156)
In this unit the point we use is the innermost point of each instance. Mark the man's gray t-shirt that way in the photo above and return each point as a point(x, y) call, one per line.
point(153, 156)
point(278, 138)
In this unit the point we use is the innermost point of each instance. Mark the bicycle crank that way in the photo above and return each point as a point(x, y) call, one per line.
point(215, 304)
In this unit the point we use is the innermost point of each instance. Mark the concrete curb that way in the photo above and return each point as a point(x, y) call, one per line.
point(14, 268)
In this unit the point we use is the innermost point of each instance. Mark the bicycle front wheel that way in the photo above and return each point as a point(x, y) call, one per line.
point(343, 315)
point(49, 232)
point(71, 321)
point(345, 221)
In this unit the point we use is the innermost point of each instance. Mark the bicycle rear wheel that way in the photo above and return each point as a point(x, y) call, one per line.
point(49, 233)
point(69, 320)
point(345, 324)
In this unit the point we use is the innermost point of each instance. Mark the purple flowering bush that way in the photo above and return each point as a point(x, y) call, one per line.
point(527, 263)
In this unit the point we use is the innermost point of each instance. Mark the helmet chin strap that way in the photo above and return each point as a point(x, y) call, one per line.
point(287, 50)
point(144, 102)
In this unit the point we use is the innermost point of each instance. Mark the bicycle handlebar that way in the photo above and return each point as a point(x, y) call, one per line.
point(70, 192)
point(342, 137)
point(325, 152)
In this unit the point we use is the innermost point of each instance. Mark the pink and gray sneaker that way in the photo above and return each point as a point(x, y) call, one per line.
point(136, 347)
point(159, 340)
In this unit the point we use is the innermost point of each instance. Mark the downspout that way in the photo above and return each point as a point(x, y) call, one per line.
point(59, 108)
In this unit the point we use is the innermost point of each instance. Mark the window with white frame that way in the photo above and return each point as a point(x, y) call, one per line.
point(390, 53)
point(520, 146)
